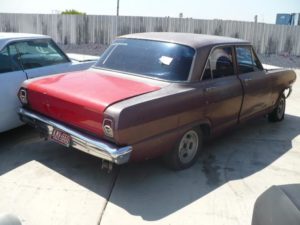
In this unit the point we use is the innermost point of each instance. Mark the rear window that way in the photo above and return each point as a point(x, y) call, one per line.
point(162, 60)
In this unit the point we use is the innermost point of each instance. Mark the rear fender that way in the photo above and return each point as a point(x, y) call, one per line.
point(204, 125)
point(163, 143)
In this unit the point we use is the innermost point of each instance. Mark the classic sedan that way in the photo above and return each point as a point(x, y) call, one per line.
point(26, 56)
point(156, 94)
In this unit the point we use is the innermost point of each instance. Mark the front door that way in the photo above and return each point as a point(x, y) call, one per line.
point(256, 84)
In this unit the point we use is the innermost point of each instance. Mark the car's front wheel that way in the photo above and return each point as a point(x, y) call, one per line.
point(187, 150)
point(278, 113)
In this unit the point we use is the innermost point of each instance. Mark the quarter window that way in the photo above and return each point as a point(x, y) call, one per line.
point(39, 53)
point(207, 72)
point(9, 60)
point(246, 60)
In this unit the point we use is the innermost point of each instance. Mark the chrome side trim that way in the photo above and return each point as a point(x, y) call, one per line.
point(289, 92)
point(83, 142)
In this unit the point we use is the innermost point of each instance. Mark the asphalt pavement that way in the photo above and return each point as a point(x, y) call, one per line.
point(44, 183)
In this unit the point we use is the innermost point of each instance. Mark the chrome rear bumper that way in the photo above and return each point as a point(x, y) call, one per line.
point(83, 142)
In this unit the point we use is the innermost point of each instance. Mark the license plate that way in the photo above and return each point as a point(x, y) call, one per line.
point(61, 137)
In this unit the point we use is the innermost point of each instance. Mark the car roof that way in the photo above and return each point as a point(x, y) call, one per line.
point(7, 37)
point(189, 39)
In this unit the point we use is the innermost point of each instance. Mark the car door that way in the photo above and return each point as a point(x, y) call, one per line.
point(222, 89)
point(11, 77)
point(41, 57)
point(256, 83)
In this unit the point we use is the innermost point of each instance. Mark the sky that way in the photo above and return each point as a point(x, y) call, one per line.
point(266, 10)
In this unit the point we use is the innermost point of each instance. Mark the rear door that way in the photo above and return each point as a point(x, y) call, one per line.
point(11, 77)
point(256, 84)
point(222, 89)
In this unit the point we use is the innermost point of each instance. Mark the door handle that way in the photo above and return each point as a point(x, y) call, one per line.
point(247, 80)
point(209, 89)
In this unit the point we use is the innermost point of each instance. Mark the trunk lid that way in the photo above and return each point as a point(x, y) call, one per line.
point(80, 98)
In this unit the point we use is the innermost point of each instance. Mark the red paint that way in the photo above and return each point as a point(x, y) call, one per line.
point(80, 98)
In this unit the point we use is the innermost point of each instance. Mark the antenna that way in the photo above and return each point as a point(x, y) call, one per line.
point(118, 6)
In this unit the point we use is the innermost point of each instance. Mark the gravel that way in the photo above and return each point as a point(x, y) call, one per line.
point(281, 60)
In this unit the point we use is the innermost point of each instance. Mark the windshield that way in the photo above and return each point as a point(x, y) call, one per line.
point(167, 61)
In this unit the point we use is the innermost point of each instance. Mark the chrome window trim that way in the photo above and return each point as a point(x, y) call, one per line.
point(233, 45)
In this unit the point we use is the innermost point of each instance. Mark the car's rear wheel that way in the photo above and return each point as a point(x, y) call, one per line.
point(187, 150)
point(278, 113)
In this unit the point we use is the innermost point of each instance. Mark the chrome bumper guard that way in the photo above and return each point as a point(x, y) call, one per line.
point(83, 142)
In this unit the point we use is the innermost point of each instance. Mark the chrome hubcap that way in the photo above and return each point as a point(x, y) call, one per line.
point(281, 108)
point(188, 146)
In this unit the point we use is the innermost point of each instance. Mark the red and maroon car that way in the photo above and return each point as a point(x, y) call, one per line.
point(156, 94)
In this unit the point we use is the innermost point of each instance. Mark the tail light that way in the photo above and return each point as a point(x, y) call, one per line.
point(23, 97)
point(107, 126)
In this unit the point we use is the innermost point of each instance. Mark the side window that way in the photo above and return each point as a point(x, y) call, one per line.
point(39, 53)
point(246, 60)
point(9, 60)
point(207, 71)
point(221, 62)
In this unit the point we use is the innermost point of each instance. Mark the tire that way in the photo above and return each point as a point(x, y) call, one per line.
point(278, 113)
point(186, 151)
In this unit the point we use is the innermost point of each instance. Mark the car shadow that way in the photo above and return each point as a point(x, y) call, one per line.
point(148, 189)
point(153, 192)
point(23, 145)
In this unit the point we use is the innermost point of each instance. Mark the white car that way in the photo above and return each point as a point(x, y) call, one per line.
point(26, 56)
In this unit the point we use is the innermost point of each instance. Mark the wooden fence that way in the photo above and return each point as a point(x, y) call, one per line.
point(267, 38)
